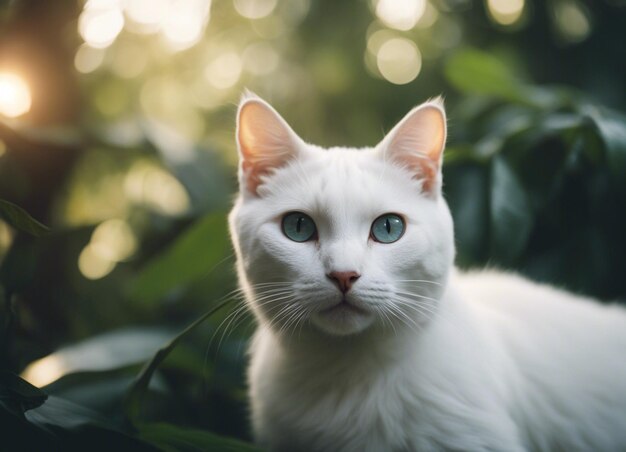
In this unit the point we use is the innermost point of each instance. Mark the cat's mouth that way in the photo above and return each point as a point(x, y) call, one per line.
point(344, 305)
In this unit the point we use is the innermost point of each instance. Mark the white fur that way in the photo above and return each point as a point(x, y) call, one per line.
point(479, 362)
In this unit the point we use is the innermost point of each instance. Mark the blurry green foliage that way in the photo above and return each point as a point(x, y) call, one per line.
point(535, 179)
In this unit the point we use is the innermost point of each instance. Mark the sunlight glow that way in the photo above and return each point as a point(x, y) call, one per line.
point(429, 17)
point(100, 23)
point(185, 22)
point(505, 12)
point(147, 13)
point(154, 187)
point(114, 240)
point(92, 265)
point(400, 14)
point(15, 97)
point(255, 9)
point(44, 371)
point(88, 59)
point(180, 22)
point(260, 58)
point(399, 60)
point(224, 71)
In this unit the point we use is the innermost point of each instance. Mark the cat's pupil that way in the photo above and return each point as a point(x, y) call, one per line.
point(299, 224)
point(387, 225)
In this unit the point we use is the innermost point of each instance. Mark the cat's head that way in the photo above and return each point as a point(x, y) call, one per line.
point(341, 240)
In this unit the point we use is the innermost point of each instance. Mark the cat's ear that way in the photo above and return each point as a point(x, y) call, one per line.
point(265, 141)
point(417, 143)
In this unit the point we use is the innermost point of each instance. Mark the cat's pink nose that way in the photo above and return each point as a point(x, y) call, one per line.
point(343, 280)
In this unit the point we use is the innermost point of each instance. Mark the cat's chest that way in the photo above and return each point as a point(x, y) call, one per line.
point(361, 412)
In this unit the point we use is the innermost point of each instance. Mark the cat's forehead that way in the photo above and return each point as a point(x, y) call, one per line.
point(342, 182)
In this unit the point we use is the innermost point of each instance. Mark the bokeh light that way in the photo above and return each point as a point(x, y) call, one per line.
point(505, 12)
point(114, 240)
point(255, 9)
point(260, 58)
point(88, 59)
point(147, 184)
point(92, 265)
point(148, 14)
point(224, 71)
point(400, 14)
point(572, 21)
point(399, 60)
point(15, 99)
point(101, 22)
point(184, 23)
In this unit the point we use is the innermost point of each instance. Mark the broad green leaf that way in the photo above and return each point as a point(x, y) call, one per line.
point(20, 219)
point(192, 256)
point(612, 129)
point(476, 72)
point(137, 391)
point(107, 351)
point(510, 214)
point(17, 395)
point(178, 439)
point(76, 426)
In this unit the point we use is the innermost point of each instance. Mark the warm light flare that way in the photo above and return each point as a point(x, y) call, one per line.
point(505, 12)
point(400, 14)
point(15, 97)
point(399, 60)
point(44, 371)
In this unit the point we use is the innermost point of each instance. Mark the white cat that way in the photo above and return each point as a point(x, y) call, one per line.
point(368, 339)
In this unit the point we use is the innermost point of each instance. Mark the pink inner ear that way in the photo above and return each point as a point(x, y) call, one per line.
point(418, 143)
point(265, 142)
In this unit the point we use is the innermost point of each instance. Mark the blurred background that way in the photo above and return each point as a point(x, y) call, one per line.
point(117, 133)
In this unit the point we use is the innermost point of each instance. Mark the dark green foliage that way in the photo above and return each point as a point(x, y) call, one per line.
point(19, 219)
point(536, 179)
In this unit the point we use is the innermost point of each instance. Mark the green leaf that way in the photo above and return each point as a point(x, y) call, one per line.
point(20, 219)
point(510, 214)
point(177, 439)
point(77, 426)
point(475, 72)
point(137, 391)
point(17, 395)
point(108, 351)
point(203, 246)
point(611, 127)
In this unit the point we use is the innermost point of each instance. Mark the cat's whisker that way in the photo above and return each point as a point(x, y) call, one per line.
point(424, 310)
point(415, 305)
point(411, 294)
point(386, 316)
point(293, 320)
point(402, 316)
point(419, 281)
point(279, 316)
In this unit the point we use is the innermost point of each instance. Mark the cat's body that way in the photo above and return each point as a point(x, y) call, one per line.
point(369, 341)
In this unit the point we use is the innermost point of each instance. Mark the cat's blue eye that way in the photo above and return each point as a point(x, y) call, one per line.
point(387, 228)
point(299, 227)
